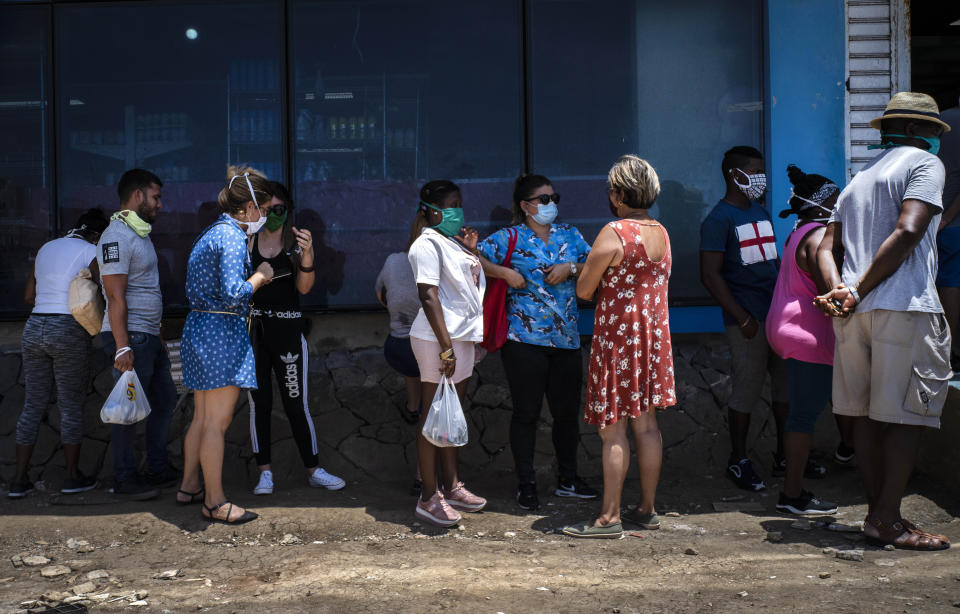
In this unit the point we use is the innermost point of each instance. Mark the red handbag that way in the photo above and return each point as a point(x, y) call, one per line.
point(495, 306)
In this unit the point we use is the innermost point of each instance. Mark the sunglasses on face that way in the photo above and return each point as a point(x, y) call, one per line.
point(545, 199)
point(277, 209)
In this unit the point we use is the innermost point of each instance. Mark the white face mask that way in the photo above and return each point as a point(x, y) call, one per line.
point(252, 227)
point(756, 184)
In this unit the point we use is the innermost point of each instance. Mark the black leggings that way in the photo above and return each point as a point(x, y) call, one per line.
point(532, 371)
point(279, 346)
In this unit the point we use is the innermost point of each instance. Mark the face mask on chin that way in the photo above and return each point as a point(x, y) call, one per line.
point(756, 184)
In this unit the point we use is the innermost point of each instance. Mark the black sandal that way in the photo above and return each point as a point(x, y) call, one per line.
point(195, 497)
point(246, 517)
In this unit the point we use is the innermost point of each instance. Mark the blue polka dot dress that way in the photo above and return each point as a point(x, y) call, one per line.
point(215, 349)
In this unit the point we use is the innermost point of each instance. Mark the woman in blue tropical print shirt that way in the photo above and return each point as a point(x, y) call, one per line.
point(542, 352)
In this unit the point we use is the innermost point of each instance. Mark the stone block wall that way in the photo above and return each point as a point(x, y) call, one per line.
point(354, 398)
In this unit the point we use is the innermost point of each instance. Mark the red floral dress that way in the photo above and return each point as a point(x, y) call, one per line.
point(631, 359)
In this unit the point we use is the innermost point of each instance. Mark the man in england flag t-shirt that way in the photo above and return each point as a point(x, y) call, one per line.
point(739, 264)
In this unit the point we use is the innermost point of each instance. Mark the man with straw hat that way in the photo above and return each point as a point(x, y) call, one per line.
point(892, 357)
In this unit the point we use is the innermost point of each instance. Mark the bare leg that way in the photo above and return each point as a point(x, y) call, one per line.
point(413, 393)
point(646, 433)
point(739, 427)
point(427, 453)
point(797, 449)
point(900, 445)
point(616, 461)
point(780, 413)
point(845, 426)
point(217, 416)
point(449, 474)
point(867, 441)
point(191, 447)
point(71, 454)
point(24, 452)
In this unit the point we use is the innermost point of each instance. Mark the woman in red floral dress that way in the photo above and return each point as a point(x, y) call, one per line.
point(631, 359)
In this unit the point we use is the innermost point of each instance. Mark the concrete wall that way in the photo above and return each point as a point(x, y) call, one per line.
point(354, 399)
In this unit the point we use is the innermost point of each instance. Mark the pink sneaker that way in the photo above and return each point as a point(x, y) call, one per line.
point(462, 499)
point(437, 511)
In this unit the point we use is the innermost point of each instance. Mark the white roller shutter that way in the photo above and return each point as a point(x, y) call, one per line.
point(877, 67)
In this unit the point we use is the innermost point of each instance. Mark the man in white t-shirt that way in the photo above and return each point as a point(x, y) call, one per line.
point(892, 357)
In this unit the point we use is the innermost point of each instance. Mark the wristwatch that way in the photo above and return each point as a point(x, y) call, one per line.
point(573, 268)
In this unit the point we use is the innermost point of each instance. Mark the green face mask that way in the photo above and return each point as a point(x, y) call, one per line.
point(134, 221)
point(452, 220)
point(932, 141)
point(274, 222)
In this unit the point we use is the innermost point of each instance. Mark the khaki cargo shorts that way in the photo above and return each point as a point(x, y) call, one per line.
point(750, 362)
point(893, 366)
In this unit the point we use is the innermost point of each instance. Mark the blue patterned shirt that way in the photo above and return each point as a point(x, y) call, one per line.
point(540, 313)
point(218, 269)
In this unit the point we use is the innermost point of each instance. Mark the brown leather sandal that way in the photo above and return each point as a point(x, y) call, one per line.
point(915, 529)
point(901, 537)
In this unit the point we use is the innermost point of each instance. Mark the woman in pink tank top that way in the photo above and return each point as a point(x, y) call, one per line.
point(800, 333)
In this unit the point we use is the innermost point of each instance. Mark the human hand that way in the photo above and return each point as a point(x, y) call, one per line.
point(124, 362)
point(843, 296)
point(750, 330)
point(558, 273)
point(515, 280)
point(447, 367)
point(468, 237)
point(266, 271)
point(305, 243)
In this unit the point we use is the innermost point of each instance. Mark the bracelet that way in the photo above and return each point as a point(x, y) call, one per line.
point(447, 355)
point(745, 322)
point(853, 292)
point(305, 269)
point(122, 351)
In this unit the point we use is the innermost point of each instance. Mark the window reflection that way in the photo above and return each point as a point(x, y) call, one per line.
point(26, 221)
point(196, 87)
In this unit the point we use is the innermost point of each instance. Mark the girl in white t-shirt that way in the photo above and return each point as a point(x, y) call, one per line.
point(450, 283)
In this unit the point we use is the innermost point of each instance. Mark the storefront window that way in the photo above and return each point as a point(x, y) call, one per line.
point(196, 86)
point(389, 95)
point(26, 219)
point(675, 84)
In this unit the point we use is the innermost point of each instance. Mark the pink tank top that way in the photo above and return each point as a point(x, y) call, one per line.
point(796, 328)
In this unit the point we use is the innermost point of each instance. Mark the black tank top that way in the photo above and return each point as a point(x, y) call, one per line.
point(280, 292)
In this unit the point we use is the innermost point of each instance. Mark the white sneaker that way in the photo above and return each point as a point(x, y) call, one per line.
point(265, 485)
point(320, 478)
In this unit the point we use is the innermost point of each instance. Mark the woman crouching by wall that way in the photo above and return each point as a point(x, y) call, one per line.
point(450, 283)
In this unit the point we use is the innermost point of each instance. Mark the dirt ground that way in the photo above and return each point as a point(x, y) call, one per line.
point(361, 550)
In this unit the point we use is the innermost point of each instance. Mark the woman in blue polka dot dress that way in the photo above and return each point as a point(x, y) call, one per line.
point(215, 349)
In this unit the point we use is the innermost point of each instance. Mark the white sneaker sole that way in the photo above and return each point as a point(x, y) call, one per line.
point(335, 486)
point(425, 515)
point(19, 495)
point(263, 491)
point(575, 495)
point(789, 509)
point(73, 491)
point(463, 507)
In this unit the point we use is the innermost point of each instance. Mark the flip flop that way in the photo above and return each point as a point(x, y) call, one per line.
point(591, 531)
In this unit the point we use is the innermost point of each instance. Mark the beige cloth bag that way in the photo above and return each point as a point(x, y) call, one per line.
point(86, 302)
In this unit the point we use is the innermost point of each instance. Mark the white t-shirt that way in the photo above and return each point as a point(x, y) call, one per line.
point(403, 300)
point(440, 261)
point(868, 209)
point(58, 262)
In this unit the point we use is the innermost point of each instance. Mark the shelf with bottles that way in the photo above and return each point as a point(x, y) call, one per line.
point(255, 127)
point(144, 136)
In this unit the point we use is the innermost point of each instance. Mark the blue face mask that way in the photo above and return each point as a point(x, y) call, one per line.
point(932, 141)
point(545, 214)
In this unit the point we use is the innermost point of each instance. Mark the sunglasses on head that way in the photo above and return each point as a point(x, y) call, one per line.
point(277, 209)
point(544, 199)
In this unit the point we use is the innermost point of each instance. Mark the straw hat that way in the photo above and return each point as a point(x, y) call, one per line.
point(911, 105)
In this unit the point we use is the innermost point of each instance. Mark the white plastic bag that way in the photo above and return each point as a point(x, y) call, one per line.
point(446, 425)
point(127, 403)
